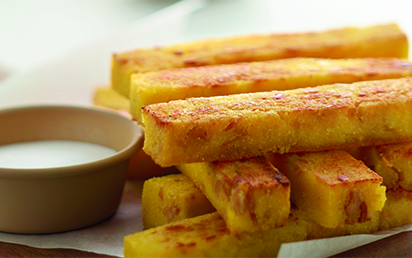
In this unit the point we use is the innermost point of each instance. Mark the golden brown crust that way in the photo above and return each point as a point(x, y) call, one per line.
point(316, 99)
point(171, 198)
point(208, 236)
point(392, 162)
point(377, 41)
point(335, 167)
point(259, 48)
point(285, 74)
point(256, 172)
point(250, 194)
point(248, 125)
point(332, 187)
point(222, 75)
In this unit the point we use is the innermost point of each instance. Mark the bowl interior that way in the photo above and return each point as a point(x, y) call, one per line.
point(70, 123)
point(48, 200)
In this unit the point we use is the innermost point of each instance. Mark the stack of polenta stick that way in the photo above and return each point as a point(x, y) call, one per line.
point(244, 156)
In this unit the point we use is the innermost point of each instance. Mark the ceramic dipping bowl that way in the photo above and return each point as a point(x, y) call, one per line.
point(62, 198)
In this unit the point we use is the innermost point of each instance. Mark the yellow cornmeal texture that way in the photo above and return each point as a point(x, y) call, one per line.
point(301, 120)
point(208, 236)
point(107, 97)
point(163, 86)
point(317, 231)
point(377, 41)
point(397, 210)
point(332, 187)
point(393, 162)
point(172, 198)
point(249, 194)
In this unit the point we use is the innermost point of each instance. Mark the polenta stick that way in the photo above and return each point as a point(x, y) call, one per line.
point(393, 162)
point(397, 210)
point(154, 215)
point(109, 98)
point(332, 187)
point(172, 198)
point(376, 41)
point(249, 194)
point(301, 120)
point(285, 74)
point(208, 236)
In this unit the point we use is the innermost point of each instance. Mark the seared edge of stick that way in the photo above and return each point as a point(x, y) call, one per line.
point(207, 235)
point(250, 194)
point(375, 41)
point(301, 120)
point(332, 187)
point(285, 74)
point(172, 198)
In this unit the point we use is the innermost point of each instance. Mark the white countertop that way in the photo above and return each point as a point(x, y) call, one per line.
point(35, 31)
point(59, 51)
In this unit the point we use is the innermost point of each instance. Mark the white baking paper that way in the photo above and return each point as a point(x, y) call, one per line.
point(335, 245)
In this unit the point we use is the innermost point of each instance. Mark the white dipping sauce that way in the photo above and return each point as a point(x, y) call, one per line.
point(51, 153)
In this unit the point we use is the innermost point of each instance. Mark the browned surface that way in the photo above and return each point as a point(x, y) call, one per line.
point(378, 41)
point(310, 119)
point(339, 43)
point(321, 98)
point(250, 194)
point(255, 171)
point(274, 70)
point(334, 167)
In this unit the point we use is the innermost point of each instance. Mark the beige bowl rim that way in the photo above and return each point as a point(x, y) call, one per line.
point(122, 155)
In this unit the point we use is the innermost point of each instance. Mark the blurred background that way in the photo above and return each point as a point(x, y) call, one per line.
point(68, 43)
point(34, 31)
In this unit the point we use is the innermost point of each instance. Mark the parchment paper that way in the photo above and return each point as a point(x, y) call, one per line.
point(335, 245)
